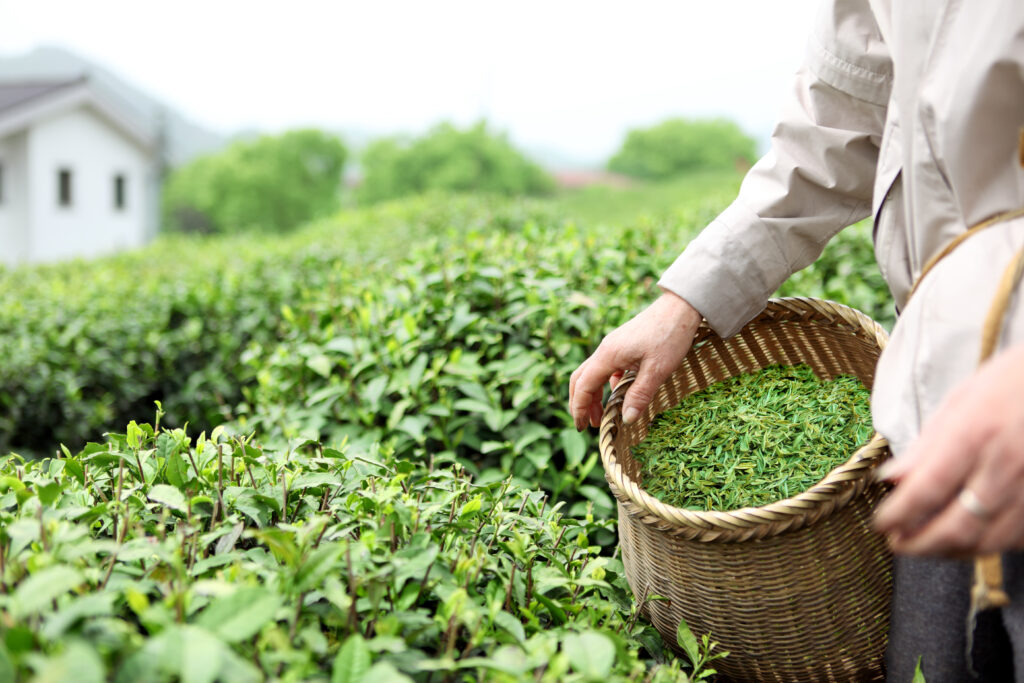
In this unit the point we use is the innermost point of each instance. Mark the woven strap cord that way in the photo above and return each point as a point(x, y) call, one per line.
point(988, 590)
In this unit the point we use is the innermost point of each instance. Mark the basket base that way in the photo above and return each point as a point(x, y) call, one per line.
point(792, 607)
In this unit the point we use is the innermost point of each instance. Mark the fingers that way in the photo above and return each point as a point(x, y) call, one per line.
point(960, 531)
point(595, 414)
point(986, 514)
point(961, 488)
point(661, 335)
point(922, 493)
point(931, 473)
point(955, 531)
point(586, 387)
point(641, 393)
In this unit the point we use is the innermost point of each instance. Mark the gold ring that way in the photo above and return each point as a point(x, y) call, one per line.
point(969, 499)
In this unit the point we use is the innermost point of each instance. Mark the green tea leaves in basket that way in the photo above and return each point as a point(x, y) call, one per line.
point(753, 439)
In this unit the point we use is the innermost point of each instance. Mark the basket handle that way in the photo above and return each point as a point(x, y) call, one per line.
point(988, 590)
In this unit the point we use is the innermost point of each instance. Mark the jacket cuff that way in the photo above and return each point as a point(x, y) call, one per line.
point(724, 274)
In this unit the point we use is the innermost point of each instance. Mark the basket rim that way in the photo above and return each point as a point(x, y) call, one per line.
point(841, 485)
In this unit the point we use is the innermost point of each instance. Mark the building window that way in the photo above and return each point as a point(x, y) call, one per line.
point(119, 191)
point(64, 187)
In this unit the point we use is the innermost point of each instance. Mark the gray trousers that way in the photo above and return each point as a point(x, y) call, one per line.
point(931, 598)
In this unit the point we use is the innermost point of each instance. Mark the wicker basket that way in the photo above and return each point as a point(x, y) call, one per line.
point(797, 590)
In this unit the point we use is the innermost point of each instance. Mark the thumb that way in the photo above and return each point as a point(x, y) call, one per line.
point(641, 393)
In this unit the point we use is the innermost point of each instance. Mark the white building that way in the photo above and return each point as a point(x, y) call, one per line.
point(77, 177)
point(81, 159)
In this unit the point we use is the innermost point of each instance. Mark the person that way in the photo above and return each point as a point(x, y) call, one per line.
point(911, 113)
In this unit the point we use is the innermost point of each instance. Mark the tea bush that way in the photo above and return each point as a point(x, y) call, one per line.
point(463, 350)
point(156, 557)
point(460, 352)
point(460, 344)
point(89, 346)
point(447, 523)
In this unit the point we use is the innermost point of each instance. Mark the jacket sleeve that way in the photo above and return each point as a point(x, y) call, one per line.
point(816, 178)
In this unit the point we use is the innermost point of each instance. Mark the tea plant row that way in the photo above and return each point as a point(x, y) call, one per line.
point(156, 557)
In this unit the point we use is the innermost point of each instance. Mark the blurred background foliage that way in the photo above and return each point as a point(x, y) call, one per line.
point(680, 146)
point(474, 159)
point(273, 183)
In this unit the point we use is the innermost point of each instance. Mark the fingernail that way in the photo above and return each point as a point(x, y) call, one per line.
point(630, 414)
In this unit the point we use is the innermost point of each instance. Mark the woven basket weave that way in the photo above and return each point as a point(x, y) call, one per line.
point(798, 590)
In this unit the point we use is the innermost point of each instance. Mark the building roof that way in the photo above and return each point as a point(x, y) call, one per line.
point(24, 103)
point(14, 94)
point(179, 140)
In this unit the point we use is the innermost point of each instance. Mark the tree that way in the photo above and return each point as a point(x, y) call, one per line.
point(271, 183)
point(681, 145)
point(446, 158)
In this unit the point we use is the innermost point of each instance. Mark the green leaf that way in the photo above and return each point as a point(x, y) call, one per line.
point(375, 390)
point(320, 364)
point(414, 426)
point(531, 432)
point(245, 500)
point(553, 608)
point(169, 496)
point(78, 662)
point(281, 544)
point(74, 468)
point(918, 673)
point(321, 562)
point(241, 615)
point(687, 641)
point(412, 564)
point(575, 446)
point(93, 605)
point(472, 506)
point(48, 494)
point(35, 593)
point(345, 345)
point(384, 672)
point(475, 390)
point(201, 655)
point(176, 469)
point(19, 640)
point(471, 405)
point(511, 624)
point(352, 662)
point(590, 653)
point(10, 482)
point(6, 665)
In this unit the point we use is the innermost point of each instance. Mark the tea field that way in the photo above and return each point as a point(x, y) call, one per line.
point(341, 455)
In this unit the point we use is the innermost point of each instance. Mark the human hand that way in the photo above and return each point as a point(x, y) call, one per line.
point(653, 343)
point(960, 486)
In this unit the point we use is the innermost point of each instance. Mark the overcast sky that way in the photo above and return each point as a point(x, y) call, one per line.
point(567, 78)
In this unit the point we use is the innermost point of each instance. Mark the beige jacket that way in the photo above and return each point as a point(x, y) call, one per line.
point(909, 112)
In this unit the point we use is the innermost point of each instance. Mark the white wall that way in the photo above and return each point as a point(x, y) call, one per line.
point(84, 142)
point(14, 200)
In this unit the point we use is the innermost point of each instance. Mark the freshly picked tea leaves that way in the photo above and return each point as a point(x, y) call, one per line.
point(753, 439)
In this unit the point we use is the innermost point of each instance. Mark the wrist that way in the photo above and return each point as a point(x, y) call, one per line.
point(679, 308)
